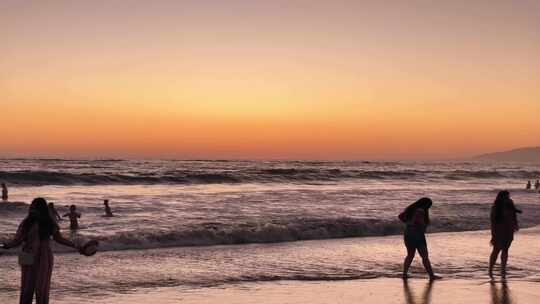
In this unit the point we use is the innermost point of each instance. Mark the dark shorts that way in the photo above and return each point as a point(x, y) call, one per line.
point(414, 238)
point(502, 241)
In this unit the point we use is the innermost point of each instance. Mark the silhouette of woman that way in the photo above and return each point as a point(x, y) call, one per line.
point(416, 217)
point(36, 258)
point(503, 225)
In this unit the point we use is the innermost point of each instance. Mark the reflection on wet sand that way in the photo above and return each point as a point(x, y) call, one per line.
point(501, 295)
point(410, 298)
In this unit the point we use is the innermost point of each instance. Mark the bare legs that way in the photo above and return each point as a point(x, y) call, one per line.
point(493, 259)
point(411, 251)
point(423, 252)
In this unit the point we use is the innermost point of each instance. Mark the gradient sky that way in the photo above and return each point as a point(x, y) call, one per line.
point(269, 79)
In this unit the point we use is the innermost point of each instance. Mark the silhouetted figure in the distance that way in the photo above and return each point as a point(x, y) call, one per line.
point(108, 211)
point(54, 214)
point(4, 192)
point(36, 258)
point(411, 299)
point(537, 185)
point(504, 296)
point(503, 225)
point(529, 185)
point(73, 216)
point(416, 217)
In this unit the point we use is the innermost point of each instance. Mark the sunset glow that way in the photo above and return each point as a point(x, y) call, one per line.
point(269, 79)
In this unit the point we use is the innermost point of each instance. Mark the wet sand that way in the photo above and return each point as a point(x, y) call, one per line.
point(388, 291)
point(354, 270)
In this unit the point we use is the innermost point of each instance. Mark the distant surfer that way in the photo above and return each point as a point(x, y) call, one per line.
point(529, 185)
point(108, 211)
point(4, 192)
point(73, 217)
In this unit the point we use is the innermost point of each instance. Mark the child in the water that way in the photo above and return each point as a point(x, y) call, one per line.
point(73, 216)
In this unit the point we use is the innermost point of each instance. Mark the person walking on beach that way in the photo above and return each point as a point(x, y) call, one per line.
point(54, 214)
point(537, 185)
point(529, 185)
point(73, 216)
point(503, 225)
point(36, 259)
point(4, 192)
point(416, 218)
point(108, 211)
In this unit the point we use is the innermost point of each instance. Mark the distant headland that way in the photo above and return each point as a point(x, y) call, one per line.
point(527, 154)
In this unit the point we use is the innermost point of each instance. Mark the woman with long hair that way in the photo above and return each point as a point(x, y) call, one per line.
point(36, 258)
point(503, 225)
point(416, 218)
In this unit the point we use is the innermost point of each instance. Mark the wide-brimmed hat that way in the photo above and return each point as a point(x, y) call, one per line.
point(90, 248)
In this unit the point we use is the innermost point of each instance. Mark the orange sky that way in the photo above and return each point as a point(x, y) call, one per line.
point(282, 79)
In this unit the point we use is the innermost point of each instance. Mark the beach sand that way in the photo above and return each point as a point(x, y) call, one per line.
point(387, 291)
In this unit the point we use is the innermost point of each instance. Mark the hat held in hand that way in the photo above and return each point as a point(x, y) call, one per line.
point(89, 248)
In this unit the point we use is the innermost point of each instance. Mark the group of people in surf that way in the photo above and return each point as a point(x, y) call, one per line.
point(503, 220)
point(536, 185)
point(74, 215)
point(40, 225)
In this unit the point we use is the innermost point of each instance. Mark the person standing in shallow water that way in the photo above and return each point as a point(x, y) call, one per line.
point(503, 225)
point(416, 218)
point(4, 192)
point(54, 214)
point(36, 258)
point(108, 211)
point(73, 216)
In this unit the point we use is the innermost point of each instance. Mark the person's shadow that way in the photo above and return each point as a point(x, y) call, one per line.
point(410, 298)
point(502, 295)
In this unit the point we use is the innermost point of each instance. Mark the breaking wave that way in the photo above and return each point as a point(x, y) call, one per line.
point(272, 175)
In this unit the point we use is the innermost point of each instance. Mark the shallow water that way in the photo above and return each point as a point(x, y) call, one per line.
point(458, 255)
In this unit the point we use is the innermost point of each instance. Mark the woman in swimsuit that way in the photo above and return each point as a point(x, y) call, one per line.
point(36, 259)
point(416, 217)
point(503, 225)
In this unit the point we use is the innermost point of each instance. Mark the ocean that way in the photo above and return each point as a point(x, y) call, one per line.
point(200, 224)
